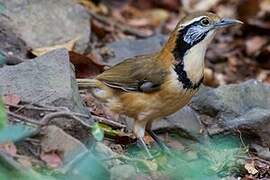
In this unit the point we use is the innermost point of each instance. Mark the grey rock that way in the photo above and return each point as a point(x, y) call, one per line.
point(244, 106)
point(186, 122)
point(57, 139)
point(123, 172)
point(47, 80)
point(262, 152)
point(11, 46)
point(129, 48)
point(47, 23)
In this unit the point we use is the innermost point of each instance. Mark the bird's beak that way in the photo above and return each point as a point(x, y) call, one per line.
point(225, 22)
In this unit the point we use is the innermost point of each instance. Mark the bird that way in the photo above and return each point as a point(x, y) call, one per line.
point(150, 87)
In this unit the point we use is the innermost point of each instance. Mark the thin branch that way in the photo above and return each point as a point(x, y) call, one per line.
point(29, 120)
point(47, 118)
point(109, 122)
point(20, 107)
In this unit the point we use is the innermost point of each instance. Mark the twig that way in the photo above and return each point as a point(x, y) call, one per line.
point(122, 27)
point(254, 158)
point(20, 107)
point(24, 118)
point(109, 122)
point(47, 118)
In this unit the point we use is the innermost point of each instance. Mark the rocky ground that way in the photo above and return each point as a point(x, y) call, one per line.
point(55, 130)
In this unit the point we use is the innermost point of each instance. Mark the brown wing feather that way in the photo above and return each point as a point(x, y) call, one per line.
point(141, 73)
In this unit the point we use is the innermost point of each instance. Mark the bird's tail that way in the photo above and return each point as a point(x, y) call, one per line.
point(97, 88)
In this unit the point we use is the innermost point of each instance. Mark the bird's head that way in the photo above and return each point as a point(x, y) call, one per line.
point(196, 29)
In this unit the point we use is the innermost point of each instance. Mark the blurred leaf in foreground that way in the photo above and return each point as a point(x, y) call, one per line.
point(15, 132)
point(3, 118)
point(97, 132)
point(211, 159)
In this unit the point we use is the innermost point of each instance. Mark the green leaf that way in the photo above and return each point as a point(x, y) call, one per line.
point(3, 118)
point(15, 132)
point(97, 132)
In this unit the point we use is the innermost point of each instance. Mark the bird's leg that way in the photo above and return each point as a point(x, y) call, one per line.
point(139, 129)
point(142, 143)
point(157, 139)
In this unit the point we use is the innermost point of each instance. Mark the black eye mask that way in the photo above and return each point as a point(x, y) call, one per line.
point(187, 38)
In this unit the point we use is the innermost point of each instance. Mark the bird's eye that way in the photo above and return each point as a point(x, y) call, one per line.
point(205, 22)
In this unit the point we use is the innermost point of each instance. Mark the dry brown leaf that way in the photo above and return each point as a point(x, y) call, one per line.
point(172, 5)
point(9, 148)
point(248, 9)
point(69, 46)
point(86, 66)
point(25, 161)
point(197, 5)
point(99, 8)
point(254, 44)
point(52, 159)
point(11, 99)
point(250, 167)
point(151, 17)
point(148, 139)
point(265, 6)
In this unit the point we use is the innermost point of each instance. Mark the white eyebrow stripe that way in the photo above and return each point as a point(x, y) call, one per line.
point(192, 21)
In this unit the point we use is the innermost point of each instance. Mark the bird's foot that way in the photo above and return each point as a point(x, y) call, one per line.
point(142, 143)
point(161, 144)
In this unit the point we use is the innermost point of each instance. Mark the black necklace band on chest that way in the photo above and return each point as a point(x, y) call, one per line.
point(183, 78)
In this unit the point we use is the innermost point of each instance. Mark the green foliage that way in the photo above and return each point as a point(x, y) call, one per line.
point(97, 132)
point(208, 160)
point(15, 132)
point(3, 118)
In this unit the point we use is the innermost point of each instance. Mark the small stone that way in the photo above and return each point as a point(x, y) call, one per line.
point(186, 122)
point(47, 23)
point(244, 106)
point(57, 140)
point(127, 48)
point(46, 80)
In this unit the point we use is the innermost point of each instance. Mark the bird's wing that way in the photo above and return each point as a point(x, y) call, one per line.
point(141, 73)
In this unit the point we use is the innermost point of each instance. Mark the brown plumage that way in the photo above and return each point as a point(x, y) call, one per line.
point(150, 87)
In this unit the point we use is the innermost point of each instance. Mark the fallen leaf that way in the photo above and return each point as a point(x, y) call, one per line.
point(25, 161)
point(197, 5)
point(9, 148)
point(86, 66)
point(250, 167)
point(150, 18)
point(172, 5)
point(98, 8)
point(265, 6)
point(248, 9)
point(52, 159)
point(254, 44)
point(69, 46)
point(11, 99)
point(148, 139)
